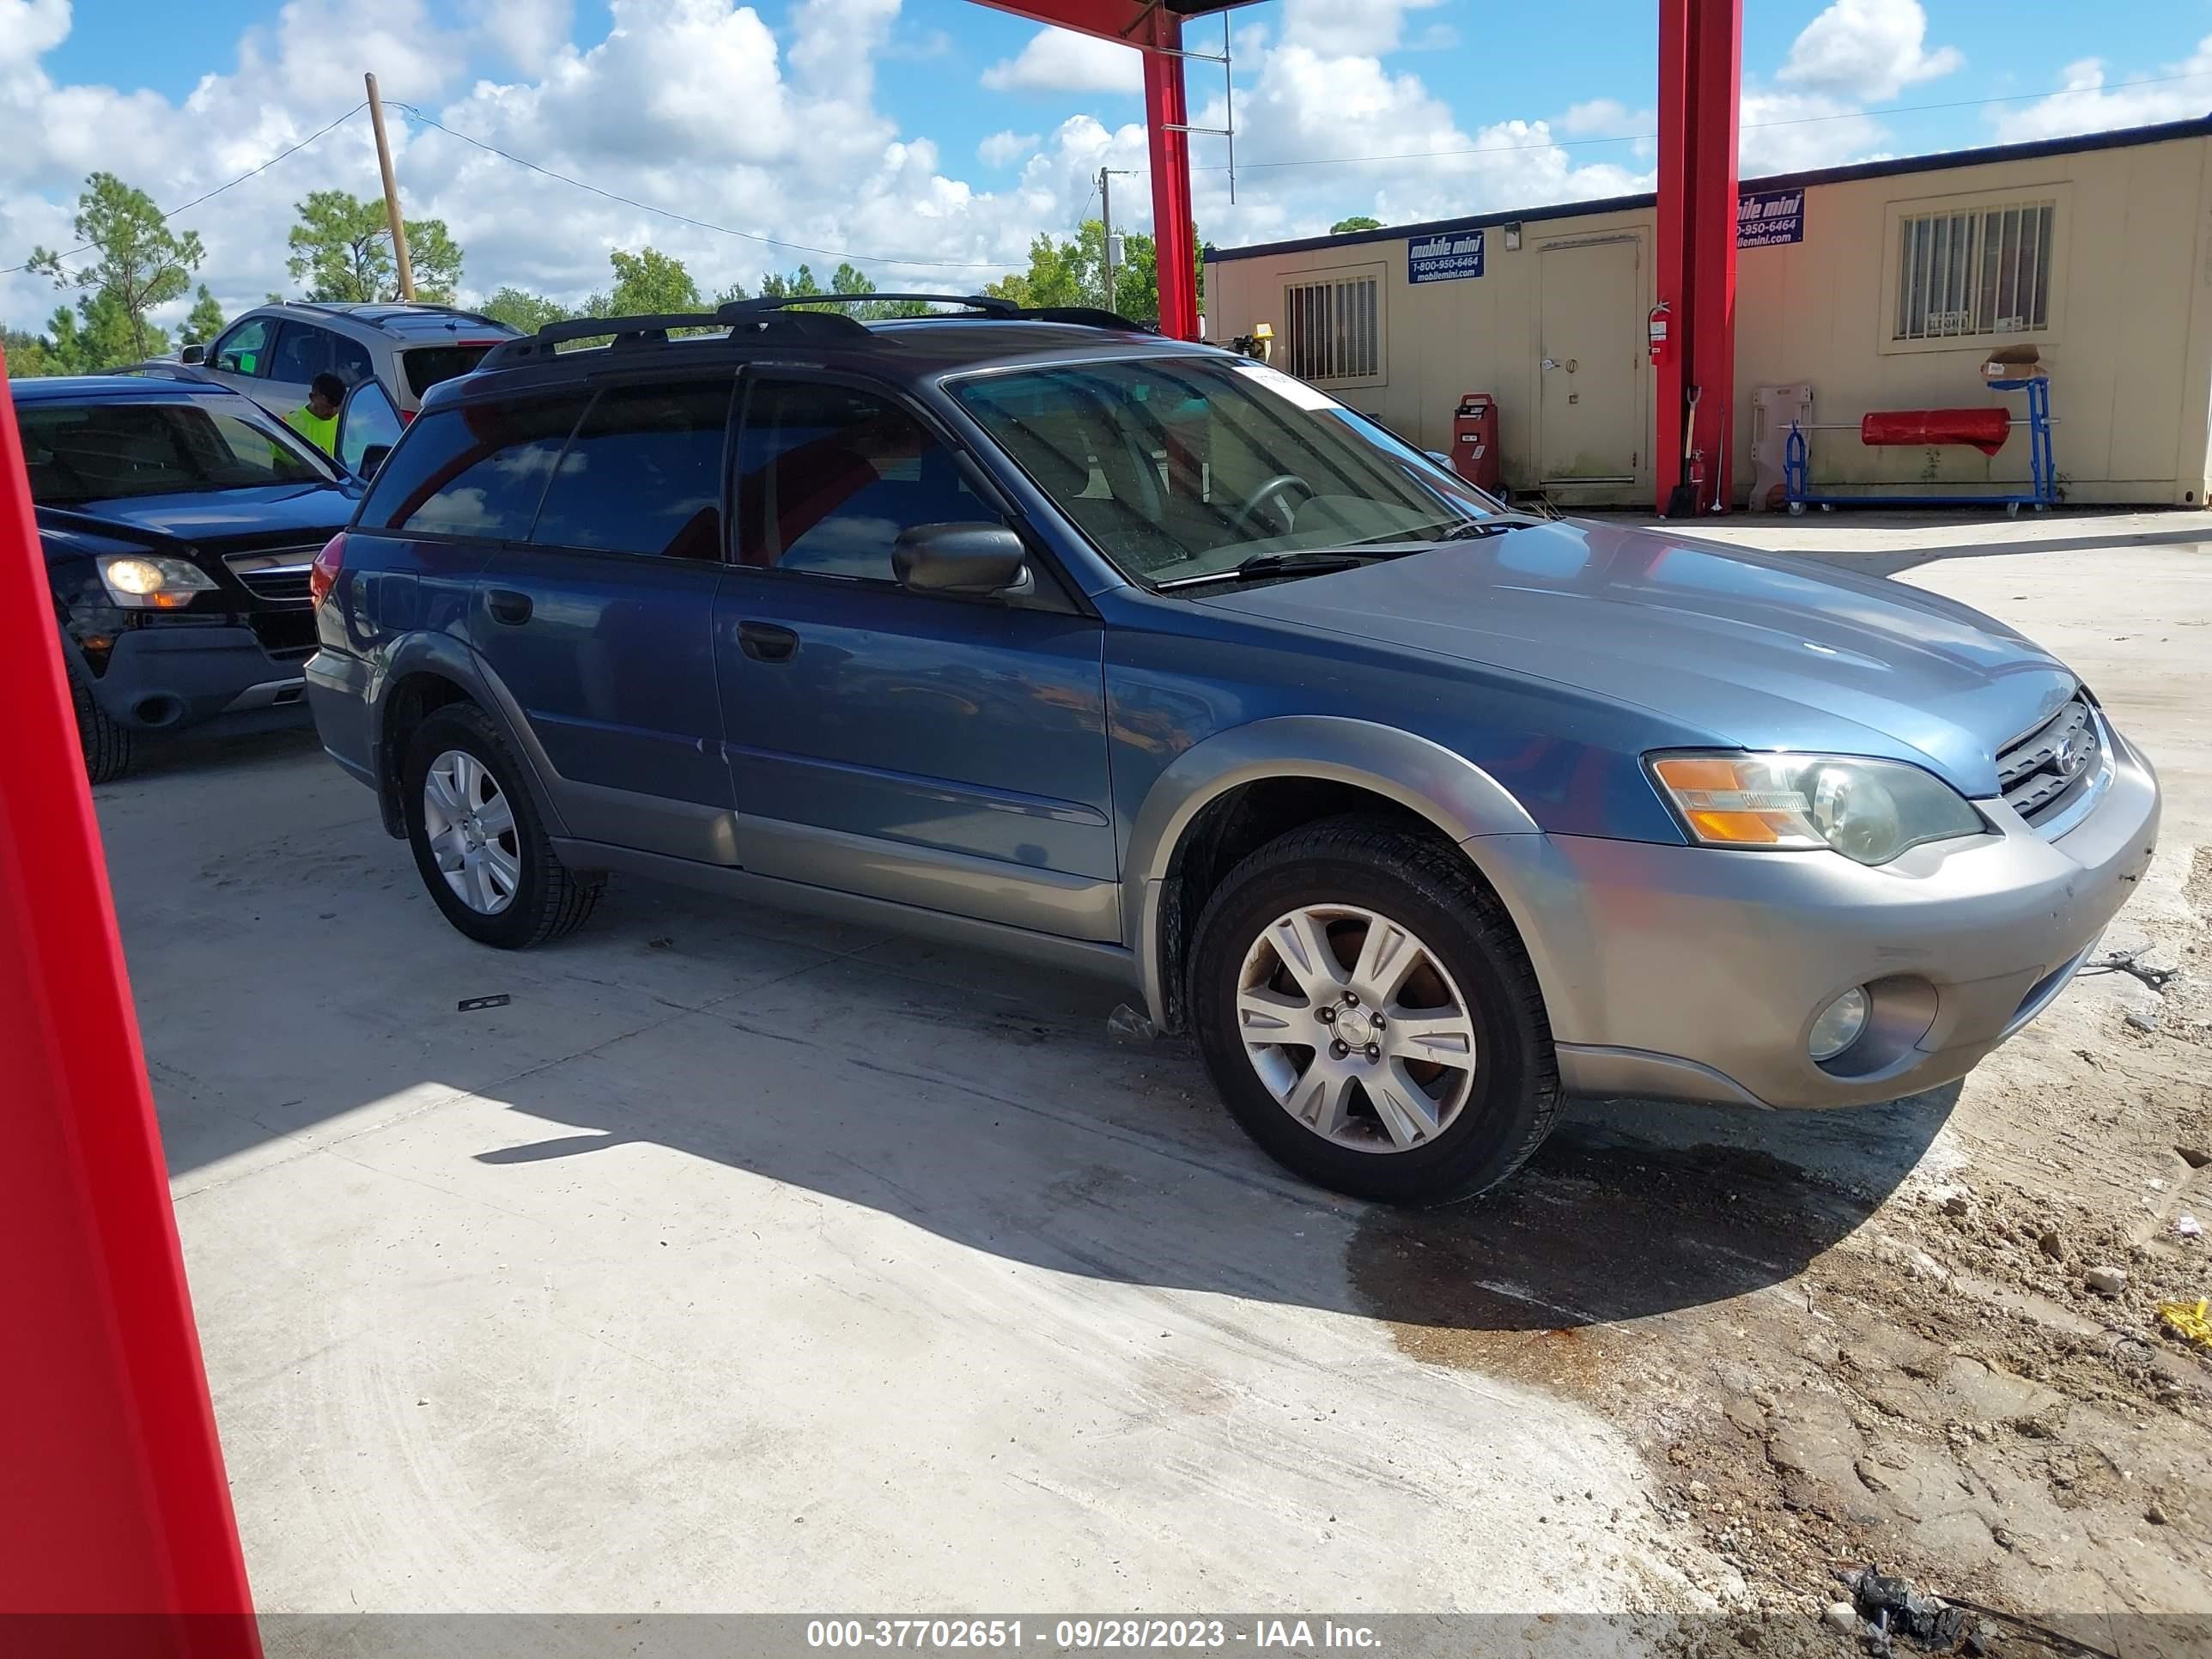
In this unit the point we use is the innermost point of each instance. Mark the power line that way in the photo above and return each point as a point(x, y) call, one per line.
point(11, 269)
point(703, 224)
point(1747, 126)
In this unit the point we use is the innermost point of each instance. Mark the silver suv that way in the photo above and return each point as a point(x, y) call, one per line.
point(273, 353)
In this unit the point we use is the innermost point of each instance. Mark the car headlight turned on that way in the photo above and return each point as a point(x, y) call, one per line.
point(1869, 810)
point(142, 582)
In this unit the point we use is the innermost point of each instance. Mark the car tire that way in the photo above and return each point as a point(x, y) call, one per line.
point(510, 890)
point(1490, 1094)
point(109, 746)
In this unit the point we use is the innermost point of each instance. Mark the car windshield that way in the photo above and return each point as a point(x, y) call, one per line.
point(1181, 467)
point(106, 450)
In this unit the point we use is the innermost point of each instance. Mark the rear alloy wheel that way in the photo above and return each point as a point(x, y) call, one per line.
point(478, 844)
point(1370, 1016)
point(469, 825)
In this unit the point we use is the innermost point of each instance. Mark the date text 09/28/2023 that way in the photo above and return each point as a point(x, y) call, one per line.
point(1087, 1635)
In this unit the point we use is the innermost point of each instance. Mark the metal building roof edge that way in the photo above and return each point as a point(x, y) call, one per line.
point(2079, 143)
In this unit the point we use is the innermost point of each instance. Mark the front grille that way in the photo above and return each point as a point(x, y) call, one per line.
point(279, 576)
point(284, 634)
point(2048, 770)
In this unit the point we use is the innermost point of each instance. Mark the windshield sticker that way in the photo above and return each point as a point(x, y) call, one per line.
point(1288, 387)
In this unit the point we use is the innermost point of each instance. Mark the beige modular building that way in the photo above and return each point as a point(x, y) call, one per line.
point(1885, 286)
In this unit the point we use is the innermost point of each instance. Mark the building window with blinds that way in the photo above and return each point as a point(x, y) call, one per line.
point(1975, 273)
point(1334, 329)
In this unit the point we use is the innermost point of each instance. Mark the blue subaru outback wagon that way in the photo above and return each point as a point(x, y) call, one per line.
point(1039, 632)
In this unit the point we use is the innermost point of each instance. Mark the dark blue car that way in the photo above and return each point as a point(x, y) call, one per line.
point(178, 522)
point(1042, 633)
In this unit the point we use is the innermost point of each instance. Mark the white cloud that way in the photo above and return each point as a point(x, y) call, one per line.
point(2091, 104)
point(1607, 117)
point(1791, 131)
point(1349, 28)
point(1061, 60)
point(526, 32)
point(1004, 149)
point(1866, 50)
point(29, 27)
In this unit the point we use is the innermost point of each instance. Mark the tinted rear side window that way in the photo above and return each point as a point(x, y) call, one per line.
point(477, 471)
point(425, 366)
point(644, 474)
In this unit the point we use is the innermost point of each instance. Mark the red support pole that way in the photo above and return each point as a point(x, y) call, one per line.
point(1166, 114)
point(1673, 277)
point(1717, 72)
point(1700, 65)
point(113, 1507)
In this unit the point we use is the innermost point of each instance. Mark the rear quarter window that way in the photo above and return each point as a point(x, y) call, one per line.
point(643, 474)
point(425, 366)
point(477, 471)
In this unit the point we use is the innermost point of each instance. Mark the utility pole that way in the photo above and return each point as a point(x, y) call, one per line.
point(1106, 176)
point(391, 193)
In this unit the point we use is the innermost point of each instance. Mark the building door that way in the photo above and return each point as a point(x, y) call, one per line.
point(1590, 423)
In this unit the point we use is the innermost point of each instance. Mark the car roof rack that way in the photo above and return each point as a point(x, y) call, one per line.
point(987, 306)
point(652, 331)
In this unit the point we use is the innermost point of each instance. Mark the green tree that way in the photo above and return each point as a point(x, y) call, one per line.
point(29, 356)
point(342, 249)
point(205, 322)
point(797, 286)
point(519, 308)
point(1074, 274)
point(1357, 221)
point(647, 283)
point(141, 263)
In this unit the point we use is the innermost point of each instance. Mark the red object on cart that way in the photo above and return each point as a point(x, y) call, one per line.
point(1474, 441)
point(1984, 429)
point(115, 1516)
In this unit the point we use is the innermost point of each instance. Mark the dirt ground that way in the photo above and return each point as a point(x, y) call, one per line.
point(1875, 1342)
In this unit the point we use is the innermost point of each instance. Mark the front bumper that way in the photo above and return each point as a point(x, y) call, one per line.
point(1693, 973)
point(164, 678)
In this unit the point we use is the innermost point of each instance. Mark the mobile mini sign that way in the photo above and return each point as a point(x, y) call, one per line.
point(1770, 218)
point(1444, 259)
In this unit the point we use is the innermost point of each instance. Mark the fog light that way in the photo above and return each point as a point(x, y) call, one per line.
point(1838, 1025)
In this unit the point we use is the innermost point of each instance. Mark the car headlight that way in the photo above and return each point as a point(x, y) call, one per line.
point(142, 582)
point(1869, 810)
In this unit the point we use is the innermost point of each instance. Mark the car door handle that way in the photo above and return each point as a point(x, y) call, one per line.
point(508, 607)
point(766, 641)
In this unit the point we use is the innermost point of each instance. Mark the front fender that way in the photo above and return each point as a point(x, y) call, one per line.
point(1446, 789)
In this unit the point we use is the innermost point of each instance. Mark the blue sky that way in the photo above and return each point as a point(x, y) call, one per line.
point(936, 136)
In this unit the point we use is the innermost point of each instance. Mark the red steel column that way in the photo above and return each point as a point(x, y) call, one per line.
point(1716, 104)
point(1166, 112)
point(1700, 73)
point(1671, 287)
point(113, 1499)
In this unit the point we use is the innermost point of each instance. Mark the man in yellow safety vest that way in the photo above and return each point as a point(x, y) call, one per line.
point(317, 421)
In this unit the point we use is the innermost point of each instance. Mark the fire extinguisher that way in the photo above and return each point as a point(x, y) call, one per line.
point(1657, 322)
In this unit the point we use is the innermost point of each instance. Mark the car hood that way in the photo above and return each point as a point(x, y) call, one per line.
point(273, 513)
point(1751, 650)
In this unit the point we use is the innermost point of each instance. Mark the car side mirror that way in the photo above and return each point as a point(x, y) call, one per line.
point(192, 354)
point(372, 457)
point(1440, 459)
point(959, 558)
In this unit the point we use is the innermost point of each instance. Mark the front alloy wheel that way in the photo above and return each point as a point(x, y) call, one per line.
point(1356, 1028)
point(1369, 1014)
